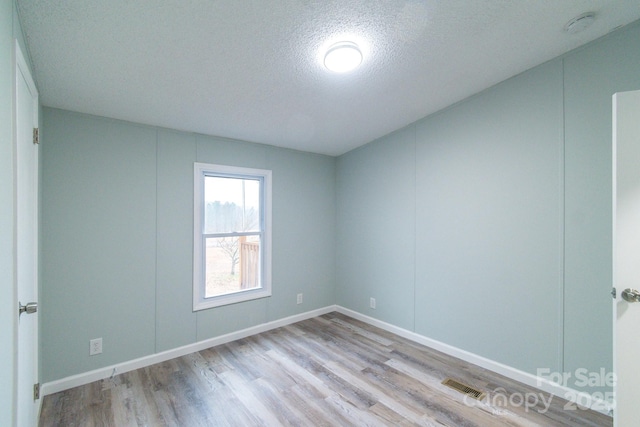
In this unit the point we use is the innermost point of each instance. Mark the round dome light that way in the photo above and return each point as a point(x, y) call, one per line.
point(342, 57)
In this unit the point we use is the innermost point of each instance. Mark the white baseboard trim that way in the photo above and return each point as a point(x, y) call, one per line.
point(573, 396)
point(543, 384)
point(102, 373)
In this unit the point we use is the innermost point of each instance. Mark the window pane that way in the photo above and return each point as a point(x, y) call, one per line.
point(232, 264)
point(231, 204)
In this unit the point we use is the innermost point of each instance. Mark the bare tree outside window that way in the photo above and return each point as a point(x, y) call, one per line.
point(230, 247)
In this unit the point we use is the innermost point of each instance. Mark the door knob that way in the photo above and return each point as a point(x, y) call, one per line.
point(30, 308)
point(631, 295)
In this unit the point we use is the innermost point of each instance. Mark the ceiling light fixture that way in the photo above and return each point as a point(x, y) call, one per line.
point(342, 57)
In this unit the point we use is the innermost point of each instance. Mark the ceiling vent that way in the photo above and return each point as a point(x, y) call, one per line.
point(580, 23)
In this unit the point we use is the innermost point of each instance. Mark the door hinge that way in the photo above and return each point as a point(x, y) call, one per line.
point(36, 391)
point(614, 294)
point(36, 135)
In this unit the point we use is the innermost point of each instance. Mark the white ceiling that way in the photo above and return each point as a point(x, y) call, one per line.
point(252, 69)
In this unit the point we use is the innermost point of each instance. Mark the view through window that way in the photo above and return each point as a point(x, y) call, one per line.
point(232, 226)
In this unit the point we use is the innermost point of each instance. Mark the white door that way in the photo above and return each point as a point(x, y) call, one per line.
point(626, 256)
point(26, 240)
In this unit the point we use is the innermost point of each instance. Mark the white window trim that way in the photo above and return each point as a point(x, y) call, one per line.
point(199, 301)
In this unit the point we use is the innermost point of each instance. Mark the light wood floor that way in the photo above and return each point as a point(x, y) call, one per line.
point(331, 370)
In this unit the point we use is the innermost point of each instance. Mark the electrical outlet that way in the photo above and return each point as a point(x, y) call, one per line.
point(299, 300)
point(95, 346)
point(372, 303)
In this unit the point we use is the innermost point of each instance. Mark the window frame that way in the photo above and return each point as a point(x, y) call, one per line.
point(202, 170)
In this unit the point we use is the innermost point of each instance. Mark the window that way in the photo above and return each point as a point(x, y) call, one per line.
point(232, 235)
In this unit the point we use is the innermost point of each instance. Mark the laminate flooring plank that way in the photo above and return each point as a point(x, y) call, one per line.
point(214, 360)
point(294, 330)
point(328, 399)
point(346, 391)
point(49, 409)
point(204, 373)
point(323, 351)
point(228, 410)
point(53, 408)
point(280, 379)
point(258, 360)
point(245, 393)
point(127, 410)
point(379, 394)
point(70, 408)
point(300, 353)
point(363, 332)
point(148, 391)
point(260, 344)
point(143, 409)
point(234, 360)
point(355, 416)
point(388, 416)
point(339, 331)
point(342, 342)
point(301, 375)
point(272, 398)
point(97, 410)
point(312, 408)
point(328, 414)
point(194, 393)
point(436, 363)
point(157, 386)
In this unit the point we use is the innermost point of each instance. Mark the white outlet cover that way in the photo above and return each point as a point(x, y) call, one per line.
point(95, 346)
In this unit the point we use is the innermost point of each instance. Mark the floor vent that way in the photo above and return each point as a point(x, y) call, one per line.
point(463, 388)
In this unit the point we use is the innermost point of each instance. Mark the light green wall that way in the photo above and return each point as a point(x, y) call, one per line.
point(117, 218)
point(487, 226)
point(98, 242)
point(175, 322)
point(376, 228)
point(489, 222)
point(454, 223)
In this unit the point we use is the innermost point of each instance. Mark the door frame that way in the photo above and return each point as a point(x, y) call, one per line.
point(21, 70)
point(623, 326)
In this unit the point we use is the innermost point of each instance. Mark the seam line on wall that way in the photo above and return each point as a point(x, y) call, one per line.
point(155, 270)
point(415, 219)
point(563, 217)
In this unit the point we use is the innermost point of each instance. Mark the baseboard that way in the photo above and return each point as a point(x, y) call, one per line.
point(106, 372)
point(543, 384)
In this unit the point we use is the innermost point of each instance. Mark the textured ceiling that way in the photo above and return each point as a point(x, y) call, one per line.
point(252, 69)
